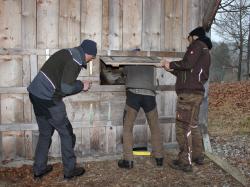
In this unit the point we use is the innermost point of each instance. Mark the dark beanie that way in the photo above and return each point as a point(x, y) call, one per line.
point(89, 47)
point(199, 31)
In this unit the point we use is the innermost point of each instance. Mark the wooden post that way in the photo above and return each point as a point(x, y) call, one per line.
point(203, 121)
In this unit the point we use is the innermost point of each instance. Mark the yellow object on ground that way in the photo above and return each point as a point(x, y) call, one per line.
point(141, 153)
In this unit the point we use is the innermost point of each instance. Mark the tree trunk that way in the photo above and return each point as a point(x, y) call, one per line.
point(210, 13)
point(240, 44)
point(248, 52)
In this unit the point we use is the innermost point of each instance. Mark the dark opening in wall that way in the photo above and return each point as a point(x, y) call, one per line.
point(110, 75)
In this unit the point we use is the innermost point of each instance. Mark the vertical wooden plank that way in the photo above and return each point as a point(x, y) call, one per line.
point(27, 108)
point(151, 25)
point(20, 143)
point(166, 104)
point(186, 16)
point(12, 112)
point(69, 23)
point(97, 140)
point(110, 139)
point(11, 108)
point(8, 146)
point(29, 24)
point(132, 24)
point(10, 64)
point(105, 24)
point(173, 25)
point(119, 141)
point(35, 135)
point(10, 36)
point(162, 22)
point(47, 23)
point(91, 20)
point(33, 73)
point(26, 70)
point(140, 135)
point(10, 23)
point(195, 10)
point(85, 146)
point(78, 147)
point(28, 144)
point(166, 130)
point(28, 113)
point(115, 24)
point(91, 24)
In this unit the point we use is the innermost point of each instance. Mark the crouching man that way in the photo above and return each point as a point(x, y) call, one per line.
point(56, 80)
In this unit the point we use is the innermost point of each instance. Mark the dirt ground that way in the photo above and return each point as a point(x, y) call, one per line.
point(229, 121)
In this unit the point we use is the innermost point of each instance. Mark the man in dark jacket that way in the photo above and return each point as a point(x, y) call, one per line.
point(55, 80)
point(192, 72)
point(140, 91)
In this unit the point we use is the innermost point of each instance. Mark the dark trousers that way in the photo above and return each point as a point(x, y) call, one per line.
point(133, 104)
point(188, 134)
point(51, 115)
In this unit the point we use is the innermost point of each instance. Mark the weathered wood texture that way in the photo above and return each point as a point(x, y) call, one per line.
point(33, 30)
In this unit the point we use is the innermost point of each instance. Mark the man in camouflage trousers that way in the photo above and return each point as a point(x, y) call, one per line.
point(192, 73)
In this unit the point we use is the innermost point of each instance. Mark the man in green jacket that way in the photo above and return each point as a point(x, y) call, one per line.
point(57, 79)
point(192, 73)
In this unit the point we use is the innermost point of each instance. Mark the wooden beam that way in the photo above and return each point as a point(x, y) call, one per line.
point(75, 125)
point(42, 52)
point(233, 171)
point(133, 60)
point(94, 88)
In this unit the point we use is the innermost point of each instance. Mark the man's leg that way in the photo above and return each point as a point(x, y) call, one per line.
point(183, 133)
point(61, 123)
point(197, 145)
point(44, 141)
point(156, 136)
point(46, 131)
point(186, 123)
point(128, 124)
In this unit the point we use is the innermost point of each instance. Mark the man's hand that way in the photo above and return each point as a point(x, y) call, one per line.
point(86, 85)
point(165, 64)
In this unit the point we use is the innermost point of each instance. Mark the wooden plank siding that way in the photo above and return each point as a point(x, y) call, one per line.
point(33, 30)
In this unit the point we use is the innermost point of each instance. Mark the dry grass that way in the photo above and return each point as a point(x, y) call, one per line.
point(229, 108)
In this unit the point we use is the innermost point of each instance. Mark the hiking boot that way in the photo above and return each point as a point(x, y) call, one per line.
point(199, 160)
point(159, 161)
point(78, 171)
point(176, 164)
point(128, 164)
point(48, 169)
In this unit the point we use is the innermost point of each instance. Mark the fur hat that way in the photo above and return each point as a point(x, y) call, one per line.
point(89, 47)
point(199, 31)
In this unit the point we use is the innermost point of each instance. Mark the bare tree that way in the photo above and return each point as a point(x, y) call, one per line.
point(232, 25)
point(248, 52)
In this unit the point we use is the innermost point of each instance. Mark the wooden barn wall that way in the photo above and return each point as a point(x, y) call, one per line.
point(34, 29)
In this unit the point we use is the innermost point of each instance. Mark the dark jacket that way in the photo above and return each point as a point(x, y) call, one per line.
point(193, 71)
point(139, 77)
point(58, 76)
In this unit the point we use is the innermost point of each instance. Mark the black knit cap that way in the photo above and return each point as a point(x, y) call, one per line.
point(89, 47)
point(199, 31)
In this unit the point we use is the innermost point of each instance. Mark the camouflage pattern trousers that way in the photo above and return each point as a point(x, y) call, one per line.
point(188, 133)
